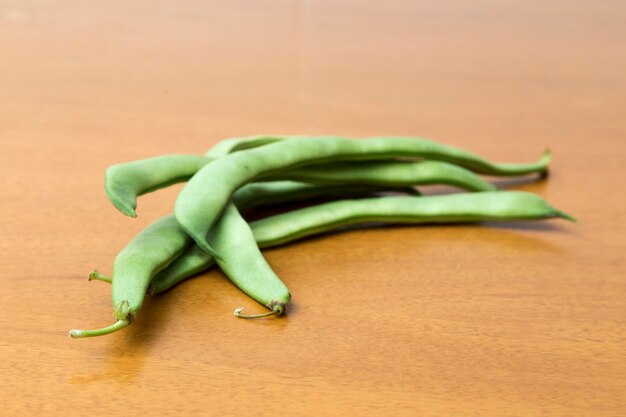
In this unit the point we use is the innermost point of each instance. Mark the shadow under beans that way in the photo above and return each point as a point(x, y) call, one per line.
point(508, 182)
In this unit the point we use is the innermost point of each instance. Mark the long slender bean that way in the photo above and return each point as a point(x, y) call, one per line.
point(390, 173)
point(450, 208)
point(126, 181)
point(201, 201)
point(287, 227)
point(193, 260)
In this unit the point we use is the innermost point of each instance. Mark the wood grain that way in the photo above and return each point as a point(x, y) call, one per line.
point(473, 320)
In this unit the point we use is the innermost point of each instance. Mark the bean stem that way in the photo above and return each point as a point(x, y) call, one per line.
point(118, 325)
point(276, 310)
point(99, 277)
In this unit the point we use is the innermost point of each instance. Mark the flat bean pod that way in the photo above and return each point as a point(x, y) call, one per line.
point(201, 201)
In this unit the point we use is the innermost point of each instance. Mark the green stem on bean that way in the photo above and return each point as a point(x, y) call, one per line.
point(95, 275)
point(123, 316)
point(276, 307)
point(273, 312)
point(118, 325)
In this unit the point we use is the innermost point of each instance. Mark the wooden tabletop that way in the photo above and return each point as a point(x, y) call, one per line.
point(475, 320)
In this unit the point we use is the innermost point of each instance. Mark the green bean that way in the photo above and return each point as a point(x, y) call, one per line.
point(451, 208)
point(204, 197)
point(253, 195)
point(287, 227)
point(241, 260)
point(161, 242)
point(390, 173)
point(124, 182)
point(146, 254)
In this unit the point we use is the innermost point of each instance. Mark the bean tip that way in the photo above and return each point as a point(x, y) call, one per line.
point(75, 333)
point(127, 210)
point(204, 245)
point(566, 216)
point(125, 205)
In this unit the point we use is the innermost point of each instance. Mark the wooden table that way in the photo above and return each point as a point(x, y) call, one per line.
point(473, 320)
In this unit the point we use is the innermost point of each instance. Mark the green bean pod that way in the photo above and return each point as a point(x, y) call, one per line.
point(287, 227)
point(203, 198)
point(193, 260)
point(450, 208)
point(162, 241)
point(150, 251)
point(389, 173)
point(124, 182)
point(241, 260)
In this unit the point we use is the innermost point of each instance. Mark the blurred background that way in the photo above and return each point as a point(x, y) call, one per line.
point(173, 73)
point(514, 320)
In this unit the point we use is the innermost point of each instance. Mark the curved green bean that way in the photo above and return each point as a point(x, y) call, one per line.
point(204, 197)
point(241, 260)
point(287, 227)
point(126, 181)
point(146, 254)
point(253, 195)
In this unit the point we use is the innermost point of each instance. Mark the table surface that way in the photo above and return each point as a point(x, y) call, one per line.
point(473, 320)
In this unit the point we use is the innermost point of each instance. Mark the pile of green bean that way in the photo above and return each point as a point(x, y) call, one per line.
point(371, 180)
